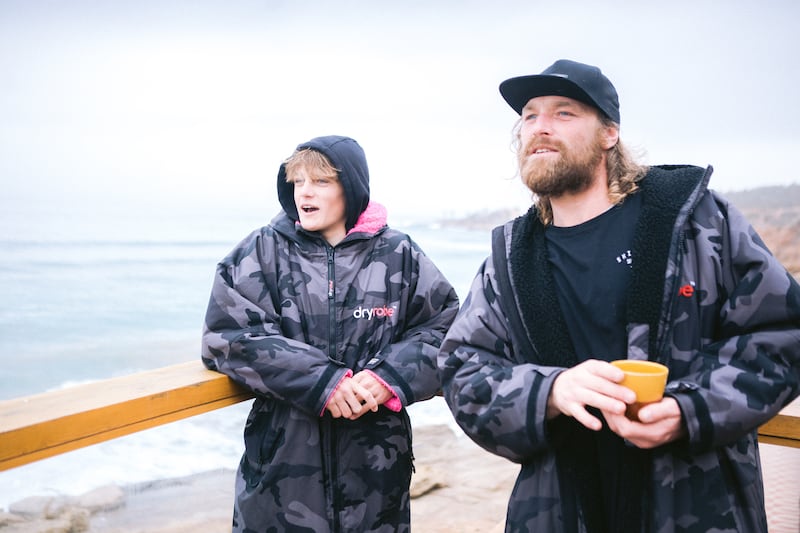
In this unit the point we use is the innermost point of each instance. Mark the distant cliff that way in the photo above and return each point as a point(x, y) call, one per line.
point(773, 211)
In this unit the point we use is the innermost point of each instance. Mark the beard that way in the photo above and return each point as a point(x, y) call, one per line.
point(573, 171)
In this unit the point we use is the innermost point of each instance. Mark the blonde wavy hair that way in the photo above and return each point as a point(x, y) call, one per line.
point(314, 161)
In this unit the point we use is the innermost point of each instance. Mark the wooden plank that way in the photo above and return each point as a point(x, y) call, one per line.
point(784, 429)
point(43, 425)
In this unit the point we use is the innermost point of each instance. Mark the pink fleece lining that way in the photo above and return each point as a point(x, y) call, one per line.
point(393, 403)
point(348, 374)
point(371, 220)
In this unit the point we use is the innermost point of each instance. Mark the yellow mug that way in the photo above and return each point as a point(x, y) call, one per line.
point(646, 378)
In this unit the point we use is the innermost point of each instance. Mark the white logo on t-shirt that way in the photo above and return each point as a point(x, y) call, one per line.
point(625, 258)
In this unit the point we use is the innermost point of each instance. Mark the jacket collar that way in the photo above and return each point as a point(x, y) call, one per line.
point(669, 194)
point(371, 222)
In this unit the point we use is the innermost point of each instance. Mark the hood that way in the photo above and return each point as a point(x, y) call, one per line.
point(346, 155)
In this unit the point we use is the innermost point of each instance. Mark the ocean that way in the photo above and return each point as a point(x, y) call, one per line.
point(91, 295)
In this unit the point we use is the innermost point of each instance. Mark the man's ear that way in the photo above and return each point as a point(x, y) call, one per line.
point(610, 137)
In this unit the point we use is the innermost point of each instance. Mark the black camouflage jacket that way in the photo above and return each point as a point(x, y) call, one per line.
point(708, 300)
point(289, 316)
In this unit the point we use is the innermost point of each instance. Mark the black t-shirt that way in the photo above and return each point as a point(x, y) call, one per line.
point(591, 265)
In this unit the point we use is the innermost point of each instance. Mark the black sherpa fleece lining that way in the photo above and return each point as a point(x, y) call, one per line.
point(533, 281)
point(665, 189)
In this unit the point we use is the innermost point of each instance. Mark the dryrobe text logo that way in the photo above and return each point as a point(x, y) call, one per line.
point(373, 312)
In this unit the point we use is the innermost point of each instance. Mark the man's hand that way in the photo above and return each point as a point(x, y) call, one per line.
point(592, 383)
point(351, 400)
point(660, 423)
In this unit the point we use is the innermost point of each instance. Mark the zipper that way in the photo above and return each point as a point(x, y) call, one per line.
point(664, 324)
point(329, 432)
point(681, 250)
point(332, 308)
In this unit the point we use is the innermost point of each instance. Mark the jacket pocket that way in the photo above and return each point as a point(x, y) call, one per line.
point(264, 434)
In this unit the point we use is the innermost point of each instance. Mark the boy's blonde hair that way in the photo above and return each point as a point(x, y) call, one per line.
point(313, 161)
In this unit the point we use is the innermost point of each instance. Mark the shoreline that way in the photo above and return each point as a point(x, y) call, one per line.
point(452, 474)
point(457, 488)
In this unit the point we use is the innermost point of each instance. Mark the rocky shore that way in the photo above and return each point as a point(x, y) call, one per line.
point(457, 488)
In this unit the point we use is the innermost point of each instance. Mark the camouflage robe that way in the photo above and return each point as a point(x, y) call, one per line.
point(289, 316)
point(707, 299)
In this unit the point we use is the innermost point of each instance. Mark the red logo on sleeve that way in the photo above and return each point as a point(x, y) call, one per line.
point(687, 291)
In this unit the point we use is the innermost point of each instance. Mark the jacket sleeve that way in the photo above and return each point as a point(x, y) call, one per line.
point(498, 401)
point(242, 335)
point(408, 365)
point(748, 368)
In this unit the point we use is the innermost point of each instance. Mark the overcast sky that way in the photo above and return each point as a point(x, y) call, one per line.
point(196, 102)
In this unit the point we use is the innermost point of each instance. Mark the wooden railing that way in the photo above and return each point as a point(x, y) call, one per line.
point(783, 429)
point(43, 425)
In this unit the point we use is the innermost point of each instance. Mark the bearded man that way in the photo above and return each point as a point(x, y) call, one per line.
point(617, 261)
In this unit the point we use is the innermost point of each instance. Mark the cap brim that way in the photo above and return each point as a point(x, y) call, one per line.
point(518, 91)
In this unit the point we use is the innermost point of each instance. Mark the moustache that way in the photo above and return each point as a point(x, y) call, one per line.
point(534, 143)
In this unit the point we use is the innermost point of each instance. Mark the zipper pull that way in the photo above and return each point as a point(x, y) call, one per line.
point(330, 273)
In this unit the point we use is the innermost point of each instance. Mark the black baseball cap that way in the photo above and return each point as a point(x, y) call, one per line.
point(584, 83)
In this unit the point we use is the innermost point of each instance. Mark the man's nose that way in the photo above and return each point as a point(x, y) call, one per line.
point(543, 125)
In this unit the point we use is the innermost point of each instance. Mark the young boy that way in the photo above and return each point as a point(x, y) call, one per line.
point(334, 320)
